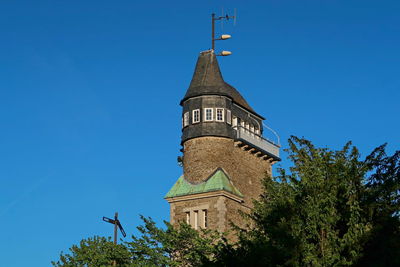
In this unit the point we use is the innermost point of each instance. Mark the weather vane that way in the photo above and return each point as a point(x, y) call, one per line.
point(223, 36)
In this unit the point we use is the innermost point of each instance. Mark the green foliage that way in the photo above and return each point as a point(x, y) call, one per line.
point(381, 205)
point(329, 209)
point(173, 246)
point(96, 252)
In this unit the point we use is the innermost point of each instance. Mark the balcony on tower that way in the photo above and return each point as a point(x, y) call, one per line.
point(256, 143)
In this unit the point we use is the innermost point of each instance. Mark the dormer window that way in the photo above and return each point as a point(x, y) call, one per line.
point(220, 114)
point(186, 119)
point(208, 114)
point(196, 116)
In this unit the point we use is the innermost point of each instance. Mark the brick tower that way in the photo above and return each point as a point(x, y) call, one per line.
point(225, 156)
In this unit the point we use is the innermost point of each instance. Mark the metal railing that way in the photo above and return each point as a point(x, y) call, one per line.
point(257, 140)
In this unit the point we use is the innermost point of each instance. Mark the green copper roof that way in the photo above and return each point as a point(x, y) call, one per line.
point(218, 181)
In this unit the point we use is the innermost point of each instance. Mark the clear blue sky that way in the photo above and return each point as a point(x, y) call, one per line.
point(90, 90)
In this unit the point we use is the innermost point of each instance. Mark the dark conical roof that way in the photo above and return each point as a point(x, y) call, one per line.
point(207, 80)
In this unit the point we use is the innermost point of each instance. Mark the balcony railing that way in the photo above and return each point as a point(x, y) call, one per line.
point(256, 140)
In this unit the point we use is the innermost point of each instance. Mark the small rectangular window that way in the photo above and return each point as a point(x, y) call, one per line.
point(208, 114)
point(220, 114)
point(234, 121)
point(188, 217)
point(204, 219)
point(196, 116)
point(228, 116)
point(186, 119)
point(196, 220)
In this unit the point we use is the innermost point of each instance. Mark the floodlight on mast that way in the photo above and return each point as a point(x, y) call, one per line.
point(223, 36)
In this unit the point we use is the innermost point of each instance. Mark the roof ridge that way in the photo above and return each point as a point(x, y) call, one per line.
point(214, 182)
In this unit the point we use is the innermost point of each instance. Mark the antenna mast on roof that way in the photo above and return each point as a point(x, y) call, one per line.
point(223, 36)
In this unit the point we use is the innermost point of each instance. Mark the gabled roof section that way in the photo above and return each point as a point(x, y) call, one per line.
point(216, 182)
point(207, 80)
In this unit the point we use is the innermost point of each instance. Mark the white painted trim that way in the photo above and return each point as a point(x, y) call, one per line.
point(228, 116)
point(249, 112)
point(205, 195)
point(196, 219)
point(204, 223)
point(222, 113)
point(186, 119)
point(187, 217)
point(193, 116)
point(205, 114)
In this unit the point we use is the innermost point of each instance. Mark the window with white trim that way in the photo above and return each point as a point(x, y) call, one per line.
point(196, 220)
point(204, 219)
point(257, 133)
point(234, 121)
point(228, 116)
point(208, 114)
point(219, 114)
point(196, 116)
point(187, 217)
point(186, 119)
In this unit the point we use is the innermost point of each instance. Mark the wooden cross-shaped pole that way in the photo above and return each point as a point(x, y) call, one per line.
point(117, 225)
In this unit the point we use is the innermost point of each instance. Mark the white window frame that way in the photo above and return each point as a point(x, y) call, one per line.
point(185, 119)
point(252, 130)
point(188, 218)
point(257, 131)
point(222, 114)
point(205, 114)
point(204, 219)
point(235, 121)
point(196, 219)
point(194, 117)
point(228, 116)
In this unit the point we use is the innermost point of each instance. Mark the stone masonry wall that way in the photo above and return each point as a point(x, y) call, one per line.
point(221, 212)
point(215, 206)
point(203, 155)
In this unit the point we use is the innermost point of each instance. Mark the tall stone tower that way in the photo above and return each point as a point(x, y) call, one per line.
point(225, 156)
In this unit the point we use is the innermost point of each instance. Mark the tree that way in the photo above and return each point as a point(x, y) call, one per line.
point(310, 216)
point(96, 251)
point(174, 246)
point(170, 246)
point(381, 205)
point(329, 209)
